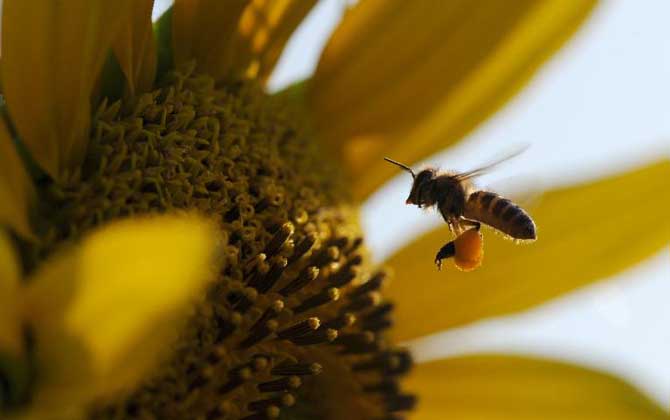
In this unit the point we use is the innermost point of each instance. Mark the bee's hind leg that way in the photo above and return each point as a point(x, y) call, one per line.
point(447, 251)
point(458, 227)
point(467, 222)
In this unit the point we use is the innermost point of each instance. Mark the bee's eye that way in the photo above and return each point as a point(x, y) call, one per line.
point(423, 176)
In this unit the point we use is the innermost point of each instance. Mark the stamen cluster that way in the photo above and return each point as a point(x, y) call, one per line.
point(295, 322)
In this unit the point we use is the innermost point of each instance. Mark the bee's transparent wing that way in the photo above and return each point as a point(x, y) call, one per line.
point(484, 169)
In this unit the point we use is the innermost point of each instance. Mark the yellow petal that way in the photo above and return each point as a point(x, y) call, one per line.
point(265, 27)
point(135, 47)
point(10, 320)
point(235, 39)
point(48, 72)
point(205, 30)
point(16, 188)
point(407, 78)
point(111, 305)
point(585, 233)
point(499, 387)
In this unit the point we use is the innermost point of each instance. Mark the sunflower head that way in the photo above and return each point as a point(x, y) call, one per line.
point(293, 296)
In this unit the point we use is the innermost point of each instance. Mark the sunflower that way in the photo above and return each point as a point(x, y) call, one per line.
point(178, 243)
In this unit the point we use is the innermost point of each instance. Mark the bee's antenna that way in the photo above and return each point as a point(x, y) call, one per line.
point(405, 167)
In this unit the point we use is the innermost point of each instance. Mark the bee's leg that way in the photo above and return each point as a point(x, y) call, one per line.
point(457, 226)
point(467, 222)
point(447, 251)
point(454, 225)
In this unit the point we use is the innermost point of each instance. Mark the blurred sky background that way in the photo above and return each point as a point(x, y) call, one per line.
point(602, 105)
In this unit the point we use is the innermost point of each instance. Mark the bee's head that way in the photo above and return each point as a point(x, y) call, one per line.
point(417, 195)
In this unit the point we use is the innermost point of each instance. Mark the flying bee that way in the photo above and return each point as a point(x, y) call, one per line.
point(464, 207)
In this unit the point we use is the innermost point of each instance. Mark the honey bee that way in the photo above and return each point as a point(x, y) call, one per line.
point(464, 207)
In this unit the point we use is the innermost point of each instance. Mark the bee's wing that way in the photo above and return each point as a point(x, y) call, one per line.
point(483, 169)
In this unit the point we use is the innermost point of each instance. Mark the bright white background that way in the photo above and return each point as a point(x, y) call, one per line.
point(600, 106)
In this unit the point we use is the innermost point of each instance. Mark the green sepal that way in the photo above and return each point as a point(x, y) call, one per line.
point(163, 34)
point(295, 92)
point(112, 80)
point(16, 378)
point(37, 174)
point(294, 98)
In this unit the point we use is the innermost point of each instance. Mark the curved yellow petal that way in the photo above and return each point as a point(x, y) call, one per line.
point(111, 305)
point(205, 30)
point(235, 39)
point(585, 233)
point(10, 275)
point(407, 78)
point(49, 70)
point(135, 47)
point(265, 28)
point(500, 387)
point(16, 188)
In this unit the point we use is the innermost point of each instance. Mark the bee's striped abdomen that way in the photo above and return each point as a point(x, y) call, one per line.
point(500, 213)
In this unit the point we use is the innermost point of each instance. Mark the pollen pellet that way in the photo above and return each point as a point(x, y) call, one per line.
point(469, 250)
